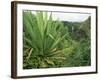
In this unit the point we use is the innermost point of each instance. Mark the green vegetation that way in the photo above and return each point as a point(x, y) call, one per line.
point(48, 43)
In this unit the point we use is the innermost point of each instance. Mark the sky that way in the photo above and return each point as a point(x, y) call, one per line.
point(68, 16)
point(72, 17)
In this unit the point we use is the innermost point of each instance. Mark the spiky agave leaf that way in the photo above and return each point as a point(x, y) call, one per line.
point(42, 35)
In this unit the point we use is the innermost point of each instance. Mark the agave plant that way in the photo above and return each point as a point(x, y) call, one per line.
point(43, 41)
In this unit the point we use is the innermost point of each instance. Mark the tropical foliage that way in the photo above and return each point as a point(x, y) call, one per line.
point(51, 43)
